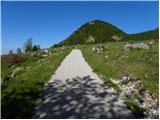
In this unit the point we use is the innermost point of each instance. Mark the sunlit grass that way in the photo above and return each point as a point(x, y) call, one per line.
point(140, 63)
point(21, 93)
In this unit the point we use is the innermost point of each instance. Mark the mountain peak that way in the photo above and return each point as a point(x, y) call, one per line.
point(95, 31)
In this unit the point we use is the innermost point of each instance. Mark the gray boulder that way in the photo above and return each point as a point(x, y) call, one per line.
point(127, 47)
point(45, 50)
point(93, 49)
point(151, 42)
point(16, 70)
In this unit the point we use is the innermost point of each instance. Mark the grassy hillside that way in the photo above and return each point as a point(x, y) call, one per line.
point(147, 35)
point(114, 62)
point(20, 93)
point(95, 32)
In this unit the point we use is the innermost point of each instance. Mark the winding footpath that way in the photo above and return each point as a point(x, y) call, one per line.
point(77, 92)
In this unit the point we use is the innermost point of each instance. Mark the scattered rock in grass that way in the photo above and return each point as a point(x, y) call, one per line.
point(45, 51)
point(151, 42)
point(131, 87)
point(90, 39)
point(116, 37)
point(152, 113)
point(106, 57)
point(100, 76)
point(149, 99)
point(126, 56)
point(126, 78)
point(63, 47)
point(28, 68)
point(13, 66)
point(128, 47)
point(16, 70)
point(32, 54)
point(25, 78)
point(45, 55)
point(50, 53)
point(4, 79)
point(93, 49)
point(98, 48)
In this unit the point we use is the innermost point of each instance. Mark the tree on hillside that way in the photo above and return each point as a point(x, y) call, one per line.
point(28, 45)
point(19, 51)
point(10, 52)
point(38, 46)
point(35, 48)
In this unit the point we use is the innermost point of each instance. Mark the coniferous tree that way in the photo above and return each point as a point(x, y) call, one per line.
point(38, 46)
point(19, 51)
point(11, 52)
point(35, 48)
point(28, 45)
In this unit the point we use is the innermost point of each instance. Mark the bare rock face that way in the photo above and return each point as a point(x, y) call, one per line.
point(128, 47)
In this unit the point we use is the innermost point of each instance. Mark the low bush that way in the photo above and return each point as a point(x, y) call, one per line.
point(13, 59)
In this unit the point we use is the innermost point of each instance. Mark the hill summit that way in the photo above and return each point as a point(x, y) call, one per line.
point(95, 31)
point(98, 31)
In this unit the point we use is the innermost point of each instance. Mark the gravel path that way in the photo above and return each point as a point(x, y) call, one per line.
point(76, 92)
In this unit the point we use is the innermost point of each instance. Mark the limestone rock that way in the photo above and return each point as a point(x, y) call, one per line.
point(128, 47)
point(16, 70)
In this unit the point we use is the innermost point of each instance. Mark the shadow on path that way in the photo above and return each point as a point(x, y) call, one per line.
point(80, 98)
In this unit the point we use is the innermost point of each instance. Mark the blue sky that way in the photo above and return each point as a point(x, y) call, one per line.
point(50, 22)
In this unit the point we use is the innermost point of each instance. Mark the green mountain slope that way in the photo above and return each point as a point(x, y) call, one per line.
point(95, 32)
point(151, 34)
